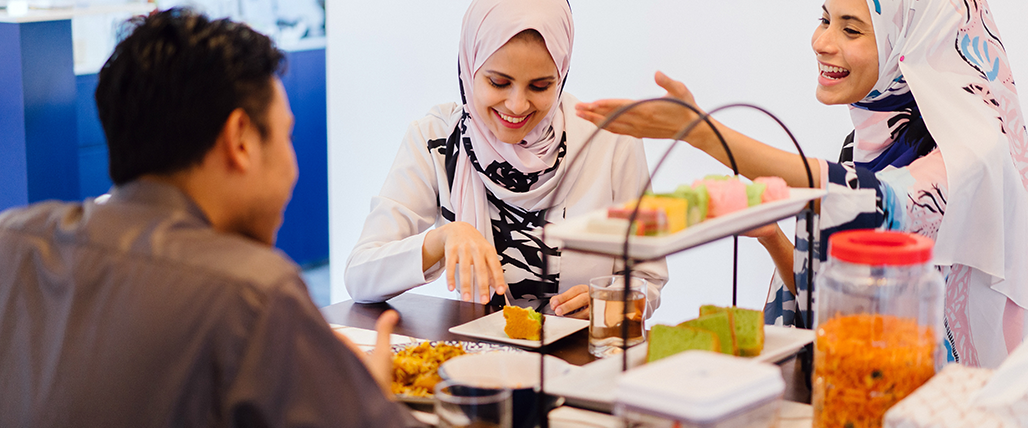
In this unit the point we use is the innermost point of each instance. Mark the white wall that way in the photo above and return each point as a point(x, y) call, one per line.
point(388, 62)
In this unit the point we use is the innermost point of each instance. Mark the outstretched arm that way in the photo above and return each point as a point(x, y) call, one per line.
point(664, 120)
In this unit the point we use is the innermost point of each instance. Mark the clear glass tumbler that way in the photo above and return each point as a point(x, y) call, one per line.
point(460, 405)
point(606, 312)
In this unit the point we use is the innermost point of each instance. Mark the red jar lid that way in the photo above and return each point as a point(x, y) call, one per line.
point(878, 247)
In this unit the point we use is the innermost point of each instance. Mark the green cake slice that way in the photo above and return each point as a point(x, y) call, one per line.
point(720, 323)
point(698, 198)
point(748, 327)
point(666, 340)
point(753, 193)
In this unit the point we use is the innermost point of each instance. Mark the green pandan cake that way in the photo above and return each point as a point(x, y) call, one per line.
point(666, 340)
point(720, 323)
point(698, 199)
point(754, 192)
point(748, 327)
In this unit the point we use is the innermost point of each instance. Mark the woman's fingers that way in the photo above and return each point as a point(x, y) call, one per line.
point(483, 276)
point(471, 260)
point(465, 266)
point(673, 87)
point(575, 298)
point(499, 283)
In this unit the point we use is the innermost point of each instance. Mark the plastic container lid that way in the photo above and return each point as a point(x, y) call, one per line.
point(699, 386)
point(878, 247)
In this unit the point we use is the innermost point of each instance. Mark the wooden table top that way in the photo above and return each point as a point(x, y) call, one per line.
point(430, 318)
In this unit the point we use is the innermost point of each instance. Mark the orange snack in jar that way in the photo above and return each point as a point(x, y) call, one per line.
point(866, 363)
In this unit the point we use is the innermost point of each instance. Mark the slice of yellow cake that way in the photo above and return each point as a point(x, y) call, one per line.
point(522, 323)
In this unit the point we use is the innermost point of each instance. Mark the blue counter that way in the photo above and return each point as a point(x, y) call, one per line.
point(53, 147)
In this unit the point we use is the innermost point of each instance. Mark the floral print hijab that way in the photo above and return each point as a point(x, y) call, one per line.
point(949, 57)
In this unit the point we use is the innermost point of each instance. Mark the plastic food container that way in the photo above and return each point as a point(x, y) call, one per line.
point(701, 389)
point(879, 326)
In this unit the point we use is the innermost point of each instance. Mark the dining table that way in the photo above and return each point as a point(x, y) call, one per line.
point(430, 318)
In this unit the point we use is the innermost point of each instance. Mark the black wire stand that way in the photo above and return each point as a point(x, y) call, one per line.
point(629, 262)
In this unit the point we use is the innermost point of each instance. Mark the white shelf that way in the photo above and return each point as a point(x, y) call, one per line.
point(573, 234)
point(59, 14)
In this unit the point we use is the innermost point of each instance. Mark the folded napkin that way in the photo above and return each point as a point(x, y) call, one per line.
point(365, 339)
point(945, 401)
point(1009, 384)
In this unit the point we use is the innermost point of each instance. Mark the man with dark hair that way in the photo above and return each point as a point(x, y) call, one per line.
point(166, 305)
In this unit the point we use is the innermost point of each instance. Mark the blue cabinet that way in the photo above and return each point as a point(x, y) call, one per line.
point(38, 130)
point(53, 147)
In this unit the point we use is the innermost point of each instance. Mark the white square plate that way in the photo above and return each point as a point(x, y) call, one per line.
point(490, 327)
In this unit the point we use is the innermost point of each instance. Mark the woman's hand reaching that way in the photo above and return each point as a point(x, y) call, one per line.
point(573, 303)
point(650, 120)
point(463, 247)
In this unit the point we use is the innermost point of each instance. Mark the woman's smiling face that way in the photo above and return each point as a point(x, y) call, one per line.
point(847, 55)
point(515, 88)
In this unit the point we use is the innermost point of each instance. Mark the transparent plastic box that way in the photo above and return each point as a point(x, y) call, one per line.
point(701, 389)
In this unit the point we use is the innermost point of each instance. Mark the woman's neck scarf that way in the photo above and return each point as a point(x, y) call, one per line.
point(948, 56)
point(487, 26)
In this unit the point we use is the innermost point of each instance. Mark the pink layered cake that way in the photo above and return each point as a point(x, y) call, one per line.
point(726, 196)
point(776, 189)
point(712, 196)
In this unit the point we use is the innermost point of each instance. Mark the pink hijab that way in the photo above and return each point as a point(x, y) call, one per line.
point(487, 26)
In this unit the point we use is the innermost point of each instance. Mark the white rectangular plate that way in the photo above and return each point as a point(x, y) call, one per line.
point(593, 384)
point(574, 234)
point(490, 327)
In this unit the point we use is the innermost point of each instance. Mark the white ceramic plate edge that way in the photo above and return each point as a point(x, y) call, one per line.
point(490, 327)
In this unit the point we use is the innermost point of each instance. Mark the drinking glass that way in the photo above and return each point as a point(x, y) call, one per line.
point(606, 312)
point(460, 405)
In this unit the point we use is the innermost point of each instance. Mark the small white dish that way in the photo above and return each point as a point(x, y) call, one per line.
point(490, 327)
point(514, 370)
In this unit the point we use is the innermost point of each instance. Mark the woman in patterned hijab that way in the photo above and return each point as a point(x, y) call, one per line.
point(938, 148)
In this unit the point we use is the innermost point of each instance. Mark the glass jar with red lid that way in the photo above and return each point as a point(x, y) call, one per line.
point(879, 325)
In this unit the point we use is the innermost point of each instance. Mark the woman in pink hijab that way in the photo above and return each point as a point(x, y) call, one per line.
point(474, 182)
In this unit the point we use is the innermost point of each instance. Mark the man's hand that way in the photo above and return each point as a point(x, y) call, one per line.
point(380, 361)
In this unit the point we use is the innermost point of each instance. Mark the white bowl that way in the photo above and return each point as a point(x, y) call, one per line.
point(514, 370)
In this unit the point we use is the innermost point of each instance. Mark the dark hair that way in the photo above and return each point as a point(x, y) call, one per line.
point(165, 93)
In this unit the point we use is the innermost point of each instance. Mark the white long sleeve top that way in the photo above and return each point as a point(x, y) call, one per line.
point(387, 259)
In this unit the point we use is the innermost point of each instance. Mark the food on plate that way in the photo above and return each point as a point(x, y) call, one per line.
point(416, 368)
point(666, 340)
point(666, 213)
point(727, 195)
point(864, 364)
point(720, 323)
point(697, 199)
point(754, 193)
point(735, 331)
point(748, 326)
point(658, 215)
point(776, 189)
point(522, 323)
